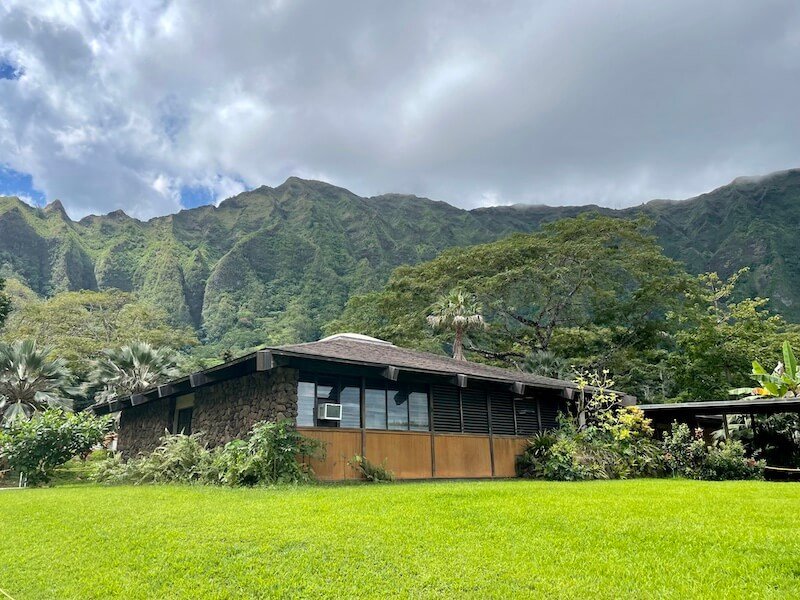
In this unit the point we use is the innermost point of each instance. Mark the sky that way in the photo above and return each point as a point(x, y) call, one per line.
point(157, 105)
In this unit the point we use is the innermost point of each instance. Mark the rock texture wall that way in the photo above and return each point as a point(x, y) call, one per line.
point(222, 411)
point(229, 409)
point(141, 427)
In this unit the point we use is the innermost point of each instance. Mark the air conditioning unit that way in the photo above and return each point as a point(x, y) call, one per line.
point(329, 412)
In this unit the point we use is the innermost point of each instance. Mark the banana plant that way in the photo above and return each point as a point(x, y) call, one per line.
point(783, 382)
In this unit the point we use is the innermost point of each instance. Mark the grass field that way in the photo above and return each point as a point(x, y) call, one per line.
point(623, 539)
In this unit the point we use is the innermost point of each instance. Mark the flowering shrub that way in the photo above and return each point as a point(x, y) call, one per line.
point(686, 454)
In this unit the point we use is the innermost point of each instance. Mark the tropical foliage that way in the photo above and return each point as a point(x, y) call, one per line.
point(5, 302)
point(687, 454)
point(458, 312)
point(34, 448)
point(30, 381)
point(783, 382)
point(78, 326)
point(270, 455)
point(131, 369)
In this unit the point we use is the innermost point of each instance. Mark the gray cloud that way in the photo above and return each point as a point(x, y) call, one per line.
point(469, 102)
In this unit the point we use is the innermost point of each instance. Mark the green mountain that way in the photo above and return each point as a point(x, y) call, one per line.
point(274, 264)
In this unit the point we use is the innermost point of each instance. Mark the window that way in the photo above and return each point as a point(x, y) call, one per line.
point(350, 399)
point(182, 419)
point(398, 410)
point(418, 411)
point(313, 390)
point(375, 407)
point(305, 403)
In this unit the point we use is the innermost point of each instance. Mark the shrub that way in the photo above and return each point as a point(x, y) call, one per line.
point(35, 448)
point(268, 456)
point(370, 471)
point(618, 446)
point(688, 455)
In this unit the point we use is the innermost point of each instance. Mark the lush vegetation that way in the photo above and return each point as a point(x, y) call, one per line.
point(270, 455)
point(30, 380)
point(613, 539)
point(34, 448)
point(274, 265)
point(80, 326)
point(592, 291)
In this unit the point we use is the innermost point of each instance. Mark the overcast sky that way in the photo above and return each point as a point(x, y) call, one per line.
point(173, 103)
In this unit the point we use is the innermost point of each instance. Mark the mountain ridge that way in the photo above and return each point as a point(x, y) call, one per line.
point(274, 264)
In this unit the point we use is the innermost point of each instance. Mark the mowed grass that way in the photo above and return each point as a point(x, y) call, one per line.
point(621, 539)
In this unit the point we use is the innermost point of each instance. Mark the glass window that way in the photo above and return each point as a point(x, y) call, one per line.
point(418, 411)
point(305, 404)
point(184, 421)
point(375, 407)
point(398, 409)
point(350, 399)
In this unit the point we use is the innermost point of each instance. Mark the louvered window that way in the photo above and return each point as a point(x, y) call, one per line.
point(446, 409)
point(502, 413)
point(549, 414)
point(475, 411)
point(527, 419)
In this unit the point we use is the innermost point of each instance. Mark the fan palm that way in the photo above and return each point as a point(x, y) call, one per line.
point(29, 380)
point(546, 364)
point(132, 369)
point(459, 312)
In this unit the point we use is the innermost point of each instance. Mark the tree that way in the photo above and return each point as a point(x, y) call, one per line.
point(717, 338)
point(131, 370)
point(5, 302)
point(34, 448)
point(80, 325)
point(30, 381)
point(546, 364)
point(591, 289)
point(459, 312)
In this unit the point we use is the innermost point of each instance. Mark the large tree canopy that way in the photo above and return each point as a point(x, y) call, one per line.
point(574, 280)
point(78, 326)
point(591, 291)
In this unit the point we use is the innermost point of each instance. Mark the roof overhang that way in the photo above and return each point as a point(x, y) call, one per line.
point(271, 358)
point(722, 407)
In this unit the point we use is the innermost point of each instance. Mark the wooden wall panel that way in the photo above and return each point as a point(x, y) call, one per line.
point(341, 446)
point(408, 455)
point(506, 450)
point(463, 456)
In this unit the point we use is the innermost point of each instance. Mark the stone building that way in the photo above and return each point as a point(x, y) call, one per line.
point(426, 415)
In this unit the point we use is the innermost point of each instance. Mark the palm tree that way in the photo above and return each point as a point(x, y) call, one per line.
point(546, 364)
point(30, 381)
point(131, 370)
point(460, 312)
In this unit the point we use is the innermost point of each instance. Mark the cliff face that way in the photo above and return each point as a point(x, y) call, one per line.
point(274, 264)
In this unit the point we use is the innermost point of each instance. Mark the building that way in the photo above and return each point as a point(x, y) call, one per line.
point(426, 415)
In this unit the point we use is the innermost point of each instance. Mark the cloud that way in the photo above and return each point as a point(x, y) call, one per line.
point(152, 105)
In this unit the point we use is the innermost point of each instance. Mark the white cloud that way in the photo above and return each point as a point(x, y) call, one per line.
point(123, 104)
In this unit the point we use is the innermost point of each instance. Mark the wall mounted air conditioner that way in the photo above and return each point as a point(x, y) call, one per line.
point(329, 412)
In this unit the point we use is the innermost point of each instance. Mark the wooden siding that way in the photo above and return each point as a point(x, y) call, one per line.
point(340, 446)
point(463, 456)
point(407, 454)
point(506, 450)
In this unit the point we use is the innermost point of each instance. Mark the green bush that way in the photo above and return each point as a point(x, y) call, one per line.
point(35, 448)
point(688, 455)
point(377, 473)
point(618, 446)
point(270, 455)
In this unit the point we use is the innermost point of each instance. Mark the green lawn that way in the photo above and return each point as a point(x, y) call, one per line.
point(641, 539)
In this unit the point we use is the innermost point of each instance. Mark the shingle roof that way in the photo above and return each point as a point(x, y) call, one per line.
point(360, 349)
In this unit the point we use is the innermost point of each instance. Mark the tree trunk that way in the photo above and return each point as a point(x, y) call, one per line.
point(458, 344)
